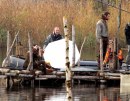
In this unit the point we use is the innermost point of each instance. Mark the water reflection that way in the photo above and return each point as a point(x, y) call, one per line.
point(82, 92)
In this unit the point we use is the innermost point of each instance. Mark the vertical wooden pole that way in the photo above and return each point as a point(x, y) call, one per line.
point(16, 51)
point(101, 62)
point(6, 61)
point(17, 46)
point(81, 51)
point(73, 40)
point(8, 42)
point(30, 65)
point(68, 69)
point(116, 62)
point(101, 56)
point(115, 53)
point(119, 22)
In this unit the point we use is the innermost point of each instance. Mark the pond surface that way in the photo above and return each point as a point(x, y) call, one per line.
point(81, 92)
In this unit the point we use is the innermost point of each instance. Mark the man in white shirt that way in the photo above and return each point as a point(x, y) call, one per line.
point(102, 33)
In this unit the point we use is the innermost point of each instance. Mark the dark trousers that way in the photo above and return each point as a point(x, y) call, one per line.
point(40, 65)
point(105, 44)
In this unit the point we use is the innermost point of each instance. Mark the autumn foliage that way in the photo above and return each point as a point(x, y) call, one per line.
point(40, 16)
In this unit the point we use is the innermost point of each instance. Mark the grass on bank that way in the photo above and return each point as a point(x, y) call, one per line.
point(40, 17)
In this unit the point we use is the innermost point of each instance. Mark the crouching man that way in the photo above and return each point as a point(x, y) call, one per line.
point(38, 61)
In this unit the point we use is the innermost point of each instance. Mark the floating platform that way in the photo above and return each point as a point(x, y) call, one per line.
point(88, 70)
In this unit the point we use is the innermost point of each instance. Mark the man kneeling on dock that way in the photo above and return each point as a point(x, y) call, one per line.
point(38, 61)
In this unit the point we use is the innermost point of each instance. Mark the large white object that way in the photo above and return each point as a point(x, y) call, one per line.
point(55, 53)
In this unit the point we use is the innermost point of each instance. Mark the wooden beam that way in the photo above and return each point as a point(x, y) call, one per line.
point(73, 40)
point(30, 65)
point(101, 57)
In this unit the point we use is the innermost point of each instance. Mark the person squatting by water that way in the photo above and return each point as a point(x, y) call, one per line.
point(102, 33)
point(56, 35)
point(38, 61)
point(127, 34)
point(109, 55)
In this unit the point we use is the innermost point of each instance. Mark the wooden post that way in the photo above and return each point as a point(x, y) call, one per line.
point(73, 40)
point(16, 53)
point(101, 57)
point(8, 42)
point(119, 23)
point(6, 61)
point(115, 53)
point(81, 51)
point(68, 69)
point(116, 63)
point(101, 62)
point(30, 65)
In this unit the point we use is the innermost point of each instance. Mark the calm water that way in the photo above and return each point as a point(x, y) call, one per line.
point(81, 92)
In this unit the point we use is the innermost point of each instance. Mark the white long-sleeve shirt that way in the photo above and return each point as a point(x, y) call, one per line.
point(101, 29)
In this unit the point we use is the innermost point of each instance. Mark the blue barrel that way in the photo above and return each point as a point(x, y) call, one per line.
point(16, 63)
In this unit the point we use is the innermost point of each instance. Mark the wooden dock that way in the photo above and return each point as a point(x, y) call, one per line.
point(86, 73)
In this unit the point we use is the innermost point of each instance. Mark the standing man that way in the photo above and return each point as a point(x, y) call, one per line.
point(56, 35)
point(127, 34)
point(102, 33)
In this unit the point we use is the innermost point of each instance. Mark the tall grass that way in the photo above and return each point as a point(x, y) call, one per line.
point(114, 22)
point(40, 17)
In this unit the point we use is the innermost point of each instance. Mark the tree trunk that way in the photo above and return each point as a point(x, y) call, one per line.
point(68, 69)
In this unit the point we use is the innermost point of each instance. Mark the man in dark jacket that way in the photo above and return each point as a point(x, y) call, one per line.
point(38, 63)
point(127, 34)
point(53, 37)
